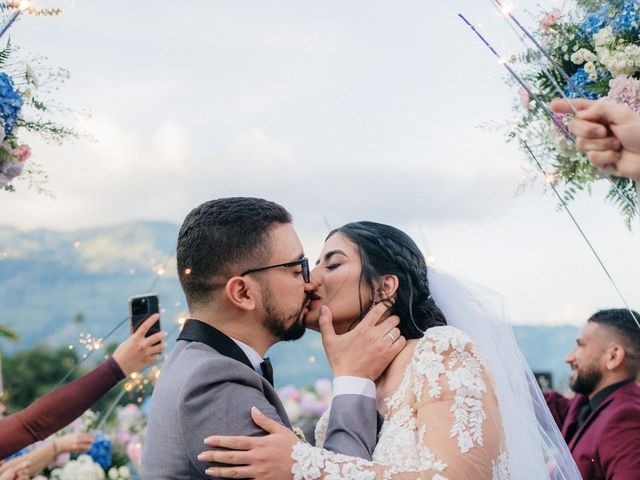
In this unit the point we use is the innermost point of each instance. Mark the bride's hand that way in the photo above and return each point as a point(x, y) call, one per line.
point(266, 458)
point(366, 350)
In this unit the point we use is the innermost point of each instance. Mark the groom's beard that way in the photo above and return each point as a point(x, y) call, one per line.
point(277, 319)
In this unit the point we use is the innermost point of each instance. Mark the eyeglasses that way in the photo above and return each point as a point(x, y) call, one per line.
point(304, 263)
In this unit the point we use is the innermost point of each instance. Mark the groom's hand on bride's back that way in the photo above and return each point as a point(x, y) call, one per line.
point(368, 349)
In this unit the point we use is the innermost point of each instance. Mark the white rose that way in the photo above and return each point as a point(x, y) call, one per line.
point(113, 474)
point(603, 37)
point(124, 472)
point(577, 57)
point(588, 55)
point(590, 68)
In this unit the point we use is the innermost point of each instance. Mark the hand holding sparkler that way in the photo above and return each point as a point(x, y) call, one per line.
point(137, 351)
point(608, 132)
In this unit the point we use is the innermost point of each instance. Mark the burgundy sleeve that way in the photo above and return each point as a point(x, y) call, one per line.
point(558, 405)
point(57, 409)
point(618, 446)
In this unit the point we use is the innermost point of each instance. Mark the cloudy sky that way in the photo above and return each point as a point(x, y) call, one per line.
point(339, 110)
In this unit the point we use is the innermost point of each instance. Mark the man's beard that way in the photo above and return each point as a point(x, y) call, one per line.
point(586, 381)
point(276, 320)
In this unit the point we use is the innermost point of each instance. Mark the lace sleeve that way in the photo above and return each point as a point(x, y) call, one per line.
point(444, 422)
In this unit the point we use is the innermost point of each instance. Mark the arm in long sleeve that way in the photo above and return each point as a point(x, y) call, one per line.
point(57, 409)
point(558, 406)
point(353, 422)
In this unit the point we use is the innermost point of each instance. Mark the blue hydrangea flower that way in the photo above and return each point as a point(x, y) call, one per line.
point(594, 22)
point(582, 81)
point(100, 451)
point(627, 19)
point(10, 102)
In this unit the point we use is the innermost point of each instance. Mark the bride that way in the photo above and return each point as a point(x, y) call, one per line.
point(458, 402)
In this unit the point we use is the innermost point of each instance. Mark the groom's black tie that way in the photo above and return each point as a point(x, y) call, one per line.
point(267, 370)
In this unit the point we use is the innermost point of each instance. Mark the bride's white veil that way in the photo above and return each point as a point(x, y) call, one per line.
point(536, 448)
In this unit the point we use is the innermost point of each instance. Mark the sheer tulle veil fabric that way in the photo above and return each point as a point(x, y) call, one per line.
point(536, 448)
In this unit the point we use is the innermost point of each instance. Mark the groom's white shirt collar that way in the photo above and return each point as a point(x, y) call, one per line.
point(253, 356)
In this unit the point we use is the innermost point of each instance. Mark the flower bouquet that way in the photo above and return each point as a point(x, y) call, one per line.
point(115, 453)
point(26, 106)
point(596, 50)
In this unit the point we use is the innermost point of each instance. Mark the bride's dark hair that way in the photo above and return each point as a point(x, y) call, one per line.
point(385, 250)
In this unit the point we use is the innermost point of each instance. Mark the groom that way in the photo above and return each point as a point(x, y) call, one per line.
point(246, 281)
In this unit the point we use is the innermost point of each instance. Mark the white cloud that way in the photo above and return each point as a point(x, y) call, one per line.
point(339, 111)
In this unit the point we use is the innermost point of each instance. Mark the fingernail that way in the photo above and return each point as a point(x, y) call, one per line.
point(208, 440)
point(209, 471)
point(323, 309)
point(201, 456)
point(255, 409)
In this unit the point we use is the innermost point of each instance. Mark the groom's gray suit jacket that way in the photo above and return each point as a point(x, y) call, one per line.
point(208, 386)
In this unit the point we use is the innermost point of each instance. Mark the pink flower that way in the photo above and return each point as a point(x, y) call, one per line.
point(289, 391)
point(625, 90)
point(22, 152)
point(524, 98)
point(134, 451)
point(550, 19)
point(123, 436)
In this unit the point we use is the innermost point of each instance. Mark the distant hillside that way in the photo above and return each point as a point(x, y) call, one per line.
point(56, 285)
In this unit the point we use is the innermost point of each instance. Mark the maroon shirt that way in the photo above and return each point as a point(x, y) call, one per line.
point(605, 446)
point(57, 409)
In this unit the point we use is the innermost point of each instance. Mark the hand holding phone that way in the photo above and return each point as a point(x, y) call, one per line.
point(142, 307)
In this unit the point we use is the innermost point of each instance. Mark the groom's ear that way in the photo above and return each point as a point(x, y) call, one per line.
point(241, 292)
point(388, 287)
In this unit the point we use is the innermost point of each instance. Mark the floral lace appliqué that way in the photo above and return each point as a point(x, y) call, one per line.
point(463, 367)
point(312, 463)
point(445, 361)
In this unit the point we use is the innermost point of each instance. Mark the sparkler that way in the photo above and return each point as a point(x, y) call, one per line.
point(545, 109)
point(24, 4)
point(522, 83)
point(506, 12)
point(575, 222)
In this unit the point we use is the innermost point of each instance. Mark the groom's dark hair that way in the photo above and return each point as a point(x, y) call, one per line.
point(221, 238)
point(621, 324)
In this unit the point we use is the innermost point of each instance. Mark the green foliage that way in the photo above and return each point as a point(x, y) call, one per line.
point(49, 130)
point(30, 374)
point(5, 53)
point(7, 332)
point(626, 189)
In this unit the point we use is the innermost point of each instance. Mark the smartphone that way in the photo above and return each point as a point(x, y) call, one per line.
point(142, 307)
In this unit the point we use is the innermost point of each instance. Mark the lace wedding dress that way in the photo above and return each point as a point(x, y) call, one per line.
point(443, 422)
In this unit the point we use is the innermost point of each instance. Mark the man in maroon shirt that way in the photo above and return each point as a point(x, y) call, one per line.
point(601, 424)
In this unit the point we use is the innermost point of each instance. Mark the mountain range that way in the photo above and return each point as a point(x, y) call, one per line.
point(60, 287)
